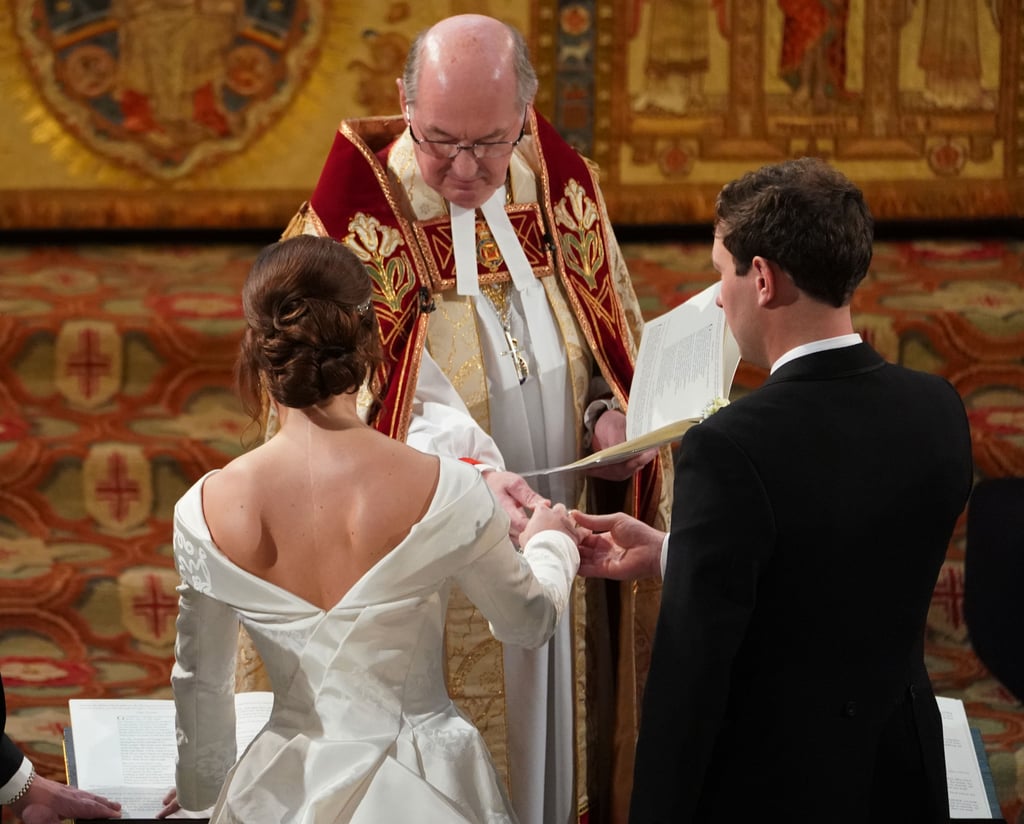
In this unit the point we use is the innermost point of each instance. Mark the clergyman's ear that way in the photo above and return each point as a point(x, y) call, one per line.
point(402, 105)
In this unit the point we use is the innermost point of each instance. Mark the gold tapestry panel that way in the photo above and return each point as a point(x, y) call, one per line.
point(916, 100)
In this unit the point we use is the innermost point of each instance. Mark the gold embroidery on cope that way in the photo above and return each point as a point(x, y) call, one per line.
point(434, 238)
point(582, 248)
point(378, 247)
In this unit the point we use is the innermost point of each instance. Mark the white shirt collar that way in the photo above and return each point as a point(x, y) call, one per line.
point(817, 346)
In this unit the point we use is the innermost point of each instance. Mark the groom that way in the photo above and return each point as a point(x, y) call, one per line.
point(809, 523)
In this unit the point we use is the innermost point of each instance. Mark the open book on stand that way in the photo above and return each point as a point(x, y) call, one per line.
point(684, 369)
point(972, 795)
point(125, 750)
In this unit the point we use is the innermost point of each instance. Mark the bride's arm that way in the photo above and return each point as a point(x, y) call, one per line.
point(203, 684)
point(522, 596)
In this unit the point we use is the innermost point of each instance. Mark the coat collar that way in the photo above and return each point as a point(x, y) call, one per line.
point(833, 363)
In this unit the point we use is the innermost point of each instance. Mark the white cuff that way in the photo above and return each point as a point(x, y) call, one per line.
point(14, 789)
point(664, 555)
point(595, 409)
point(479, 466)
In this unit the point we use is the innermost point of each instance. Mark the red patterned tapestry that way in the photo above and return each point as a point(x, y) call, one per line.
point(116, 394)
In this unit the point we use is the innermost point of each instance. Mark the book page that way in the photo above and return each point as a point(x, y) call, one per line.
point(624, 450)
point(967, 796)
point(125, 749)
point(687, 359)
point(252, 709)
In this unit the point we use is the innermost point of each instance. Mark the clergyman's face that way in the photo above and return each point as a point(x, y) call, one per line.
point(442, 112)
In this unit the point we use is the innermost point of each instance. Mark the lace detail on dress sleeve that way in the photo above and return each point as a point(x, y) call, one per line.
point(191, 560)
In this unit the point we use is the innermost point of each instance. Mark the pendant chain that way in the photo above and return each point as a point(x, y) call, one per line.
point(500, 294)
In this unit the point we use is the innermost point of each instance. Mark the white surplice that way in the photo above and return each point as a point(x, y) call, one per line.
point(362, 729)
point(533, 422)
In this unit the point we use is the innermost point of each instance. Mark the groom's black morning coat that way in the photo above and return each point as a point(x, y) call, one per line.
point(810, 521)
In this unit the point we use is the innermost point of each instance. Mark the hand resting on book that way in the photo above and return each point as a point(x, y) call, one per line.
point(49, 802)
point(610, 430)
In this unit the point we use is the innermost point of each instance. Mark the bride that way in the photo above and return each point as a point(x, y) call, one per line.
point(336, 547)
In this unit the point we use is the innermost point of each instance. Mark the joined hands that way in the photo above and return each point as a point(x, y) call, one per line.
point(557, 517)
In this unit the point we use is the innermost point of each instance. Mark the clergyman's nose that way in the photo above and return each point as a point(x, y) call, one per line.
point(465, 162)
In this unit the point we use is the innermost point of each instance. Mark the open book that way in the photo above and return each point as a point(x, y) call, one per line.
point(966, 766)
point(684, 366)
point(125, 750)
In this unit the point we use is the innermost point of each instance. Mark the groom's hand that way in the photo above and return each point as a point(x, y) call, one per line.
point(619, 547)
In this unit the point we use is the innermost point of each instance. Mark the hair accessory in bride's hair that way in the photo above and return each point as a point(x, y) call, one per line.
point(364, 307)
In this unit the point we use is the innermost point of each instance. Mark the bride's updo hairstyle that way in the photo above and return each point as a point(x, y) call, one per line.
point(311, 332)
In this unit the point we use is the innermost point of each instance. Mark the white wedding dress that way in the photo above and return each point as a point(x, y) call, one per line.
point(362, 728)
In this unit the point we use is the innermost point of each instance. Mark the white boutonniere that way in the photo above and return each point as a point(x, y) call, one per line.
point(713, 407)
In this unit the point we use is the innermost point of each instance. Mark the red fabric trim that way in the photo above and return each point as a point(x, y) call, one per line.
point(352, 182)
point(596, 304)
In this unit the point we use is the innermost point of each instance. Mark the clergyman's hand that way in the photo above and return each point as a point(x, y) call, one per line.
point(619, 547)
point(516, 497)
point(50, 802)
point(610, 430)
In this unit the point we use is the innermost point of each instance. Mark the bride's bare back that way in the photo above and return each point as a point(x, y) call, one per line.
point(320, 503)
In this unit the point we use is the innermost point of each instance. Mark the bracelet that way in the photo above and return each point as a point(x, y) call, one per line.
point(21, 793)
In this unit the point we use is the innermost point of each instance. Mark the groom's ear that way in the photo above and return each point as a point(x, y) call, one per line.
point(773, 284)
point(763, 273)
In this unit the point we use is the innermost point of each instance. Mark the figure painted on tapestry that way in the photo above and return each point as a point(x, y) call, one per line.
point(384, 49)
point(813, 59)
point(173, 63)
point(677, 56)
point(950, 53)
point(168, 86)
point(376, 88)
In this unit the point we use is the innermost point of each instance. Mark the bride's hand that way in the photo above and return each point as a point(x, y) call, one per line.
point(555, 517)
